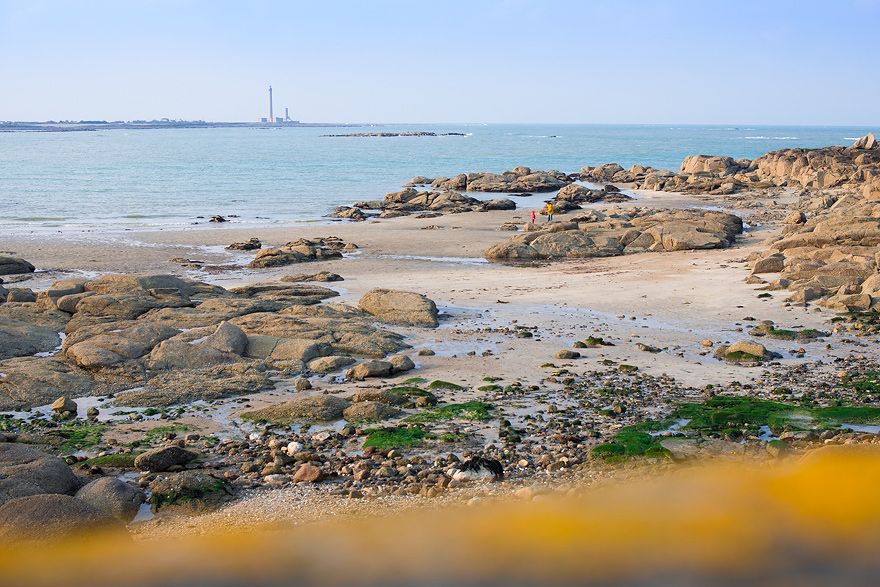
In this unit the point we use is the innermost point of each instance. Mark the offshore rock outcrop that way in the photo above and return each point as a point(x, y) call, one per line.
point(827, 167)
point(618, 232)
point(518, 180)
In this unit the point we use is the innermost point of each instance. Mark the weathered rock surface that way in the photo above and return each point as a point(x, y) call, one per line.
point(745, 352)
point(618, 232)
point(400, 307)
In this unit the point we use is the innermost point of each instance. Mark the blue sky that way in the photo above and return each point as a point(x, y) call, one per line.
point(636, 61)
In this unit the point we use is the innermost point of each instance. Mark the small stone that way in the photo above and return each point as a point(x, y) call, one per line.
point(64, 404)
point(307, 474)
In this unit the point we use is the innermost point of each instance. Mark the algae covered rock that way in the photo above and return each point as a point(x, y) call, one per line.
point(313, 407)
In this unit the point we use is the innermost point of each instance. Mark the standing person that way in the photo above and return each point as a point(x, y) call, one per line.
point(549, 211)
point(533, 216)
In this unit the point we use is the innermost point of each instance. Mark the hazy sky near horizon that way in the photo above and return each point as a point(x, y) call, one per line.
point(624, 61)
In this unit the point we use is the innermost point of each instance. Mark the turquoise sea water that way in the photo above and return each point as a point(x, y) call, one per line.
point(124, 178)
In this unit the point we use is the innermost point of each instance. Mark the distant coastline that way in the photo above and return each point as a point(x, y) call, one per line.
point(92, 125)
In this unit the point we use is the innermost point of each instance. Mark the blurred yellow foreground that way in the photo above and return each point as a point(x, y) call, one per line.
point(805, 521)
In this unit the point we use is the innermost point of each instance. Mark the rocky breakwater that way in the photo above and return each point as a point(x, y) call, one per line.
point(615, 232)
point(172, 340)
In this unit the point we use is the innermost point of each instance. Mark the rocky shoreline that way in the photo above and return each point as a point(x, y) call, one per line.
point(197, 394)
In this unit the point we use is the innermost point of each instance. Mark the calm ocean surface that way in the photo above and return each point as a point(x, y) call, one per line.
point(121, 178)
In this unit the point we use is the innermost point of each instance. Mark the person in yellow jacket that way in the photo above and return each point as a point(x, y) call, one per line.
point(549, 211)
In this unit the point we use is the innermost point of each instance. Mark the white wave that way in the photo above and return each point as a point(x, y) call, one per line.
point(766, 138)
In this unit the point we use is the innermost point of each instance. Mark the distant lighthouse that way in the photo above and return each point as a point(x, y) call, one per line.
point(271, 112)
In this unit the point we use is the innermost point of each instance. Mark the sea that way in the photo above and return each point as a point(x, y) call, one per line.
point(143, 179)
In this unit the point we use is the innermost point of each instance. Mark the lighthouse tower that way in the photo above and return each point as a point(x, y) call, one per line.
point(271, 113)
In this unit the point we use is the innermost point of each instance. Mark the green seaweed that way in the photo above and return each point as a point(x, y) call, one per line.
point(158, 433)
point(723, 412)
point(472, 410)
point(633, 441)
point(492, 387)
point(742, 357)
point(213, 487)
point(730, 417)
point(73, 437)
point(414, 381)
point(120, 460)
point(848, 414)
point(439, 384)
point(397, 437)
point(866, 383)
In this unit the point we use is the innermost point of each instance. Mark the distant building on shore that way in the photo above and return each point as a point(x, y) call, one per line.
point(271, 118)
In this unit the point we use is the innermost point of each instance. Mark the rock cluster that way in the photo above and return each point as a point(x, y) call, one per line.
point(251, 244)
point(828, 253)
point(41, 498)
point(573, 195)
point(180, 340)
point(827, 167)
point(411, 201)
point(518, 180)
point(301, 251)
point(618, 232)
